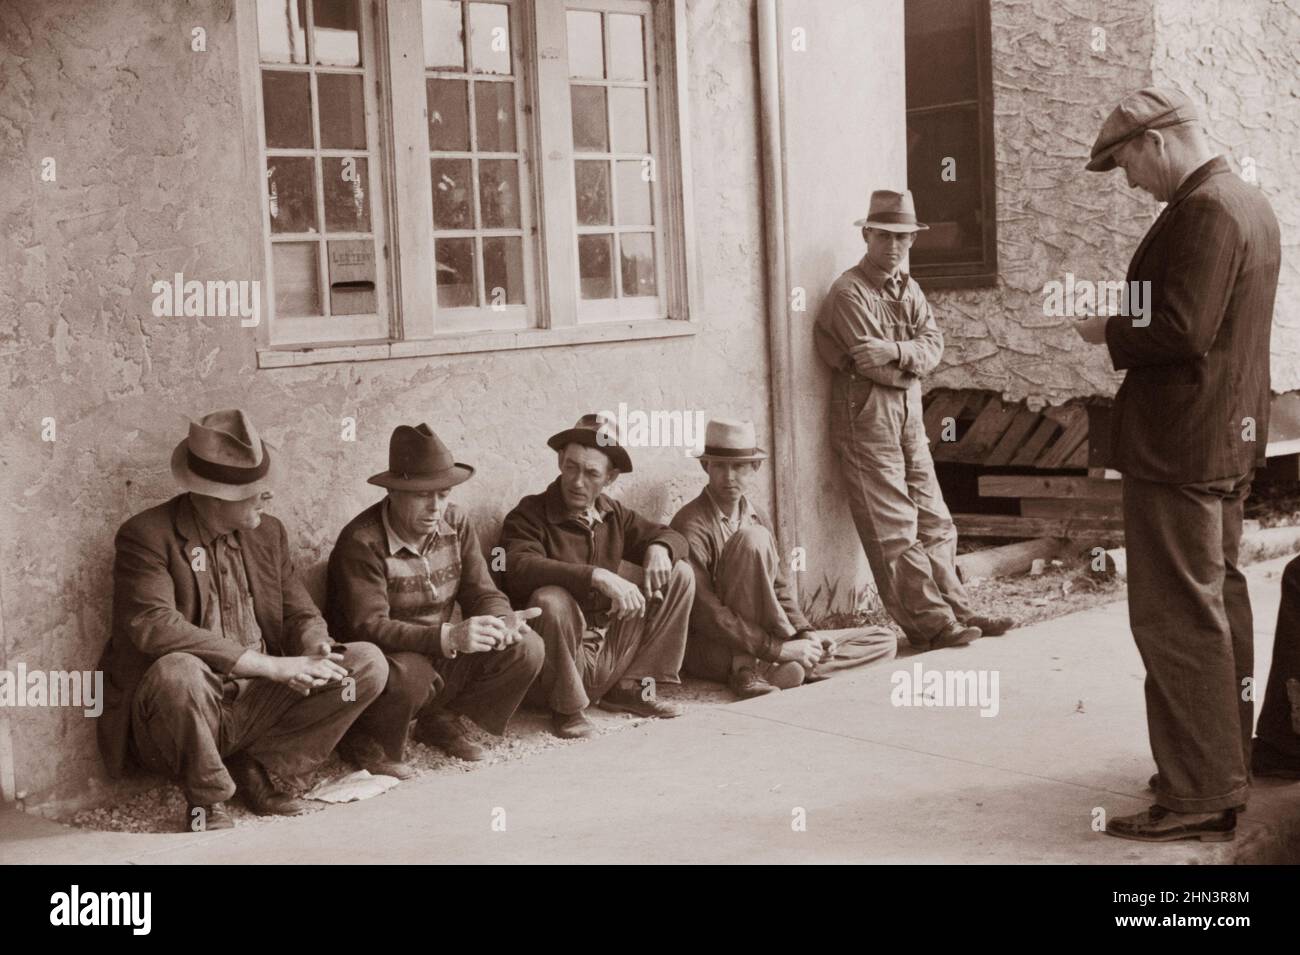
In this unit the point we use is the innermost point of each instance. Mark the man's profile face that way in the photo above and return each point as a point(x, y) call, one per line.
point(1142, 161)
point(245, 515)
point(417, 513)
point(728, 480)
point(885, 249)
point(584, 473)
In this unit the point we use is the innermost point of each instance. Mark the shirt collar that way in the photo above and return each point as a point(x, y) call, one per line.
point(878, 276)
point(396, 543)
point(558, 513)
point(744, 514)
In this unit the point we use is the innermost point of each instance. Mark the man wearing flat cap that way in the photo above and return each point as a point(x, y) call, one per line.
point(220, 668)
point(1188, 427)
point(877, 333)
point(747, 629)
point(396, 574)
point(614, 588)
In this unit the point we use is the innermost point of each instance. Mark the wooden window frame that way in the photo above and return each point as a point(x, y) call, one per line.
point(984, 271)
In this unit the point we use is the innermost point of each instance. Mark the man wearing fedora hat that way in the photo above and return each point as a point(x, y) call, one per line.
point(397, 573)
point(877, 332)
point(747, 629)
point(613, 630)
point(1188, 427)
point(220, 667)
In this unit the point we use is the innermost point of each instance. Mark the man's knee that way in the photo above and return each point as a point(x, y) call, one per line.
point(682, 577)
point(527, 655)
point(410, 678)
point(176, 678)
point(368, 668)
point(558, 608)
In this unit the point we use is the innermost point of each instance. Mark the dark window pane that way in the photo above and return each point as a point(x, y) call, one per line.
point(494, 108)
point(444, 41)
point(336, 32)
point(628, 133)
point(489, 37)
point(633, 194)
point(586, 45)
point(291, 193)
point(589, 124)
point(286, 106)
point(453, 201)
point(282, 30)
point(591, 183)
point(595, 278)
point(351, 264)
point(626, 49)
point(347, 203)
point(498, 182)
point(342, 111)
point(503, 270)
point(455, 264)
point(950, 208)
point(296, 271)
point(940, 49)
point(448, 106)
point(637, 261)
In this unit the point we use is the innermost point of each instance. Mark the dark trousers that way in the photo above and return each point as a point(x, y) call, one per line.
point(584, 663)
point(487, 687)
point(1278, 734)
point(185, 719)
point(1190, 614)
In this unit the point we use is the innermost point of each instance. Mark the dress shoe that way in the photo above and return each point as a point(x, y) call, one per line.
point(1152, 784)
point(747, 684)
point(956, 634)
point(628, 700)
point(1159, 824)
point(572, 725)
point(203, 818)
point(991, 626)
point(449, 736)
point(364, 752)
point(260, 794)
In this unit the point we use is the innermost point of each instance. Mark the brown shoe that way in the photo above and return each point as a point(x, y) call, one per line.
point(747, 684)
point(200, 818)
point(448, 735)
point(364, 752)
point(572, 725)
point(991, 626)
point(1159, 824)
point(956, 634)
point(260, 794)
point(628, 700)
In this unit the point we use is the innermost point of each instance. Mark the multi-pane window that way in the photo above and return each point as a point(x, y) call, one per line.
point(321, 170)
point(437, 167)
point(950, 140)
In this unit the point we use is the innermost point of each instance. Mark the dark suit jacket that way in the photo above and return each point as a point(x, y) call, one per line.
point(1201, 366)
point(158, 603)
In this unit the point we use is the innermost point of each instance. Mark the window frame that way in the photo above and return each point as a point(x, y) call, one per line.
point(984, 272)
point(407, 246)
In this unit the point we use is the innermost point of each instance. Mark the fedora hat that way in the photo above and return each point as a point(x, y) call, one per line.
point(224, 457)
point(594, 431)
point(726, 440)
point(892, 211)
point(1149, 108)
point(419, 461)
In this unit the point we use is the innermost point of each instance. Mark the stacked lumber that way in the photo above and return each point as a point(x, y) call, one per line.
point(971, 427)
point(1075, 508)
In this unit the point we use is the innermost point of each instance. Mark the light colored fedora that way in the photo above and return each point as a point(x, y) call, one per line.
point(224, 457)
point(419, 461)
point(892, 211)
point(727, 440)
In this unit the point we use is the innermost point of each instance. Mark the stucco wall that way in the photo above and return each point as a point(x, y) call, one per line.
point(1052, 90)
point(150, 181)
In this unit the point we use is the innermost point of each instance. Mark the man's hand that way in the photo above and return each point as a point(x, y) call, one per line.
point(516, 623)
point(625, 598)
point(874, 353)
point(658, 568)
point(807, 652)
point(1092, 330)
point(477, 634)
point(303, 674)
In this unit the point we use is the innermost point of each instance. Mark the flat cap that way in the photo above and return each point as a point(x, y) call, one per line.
point(1150, 108)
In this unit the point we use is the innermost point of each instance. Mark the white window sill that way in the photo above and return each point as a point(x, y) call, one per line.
point(286, 356)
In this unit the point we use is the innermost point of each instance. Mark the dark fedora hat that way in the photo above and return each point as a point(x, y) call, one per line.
point(599, 431)
point(224, 457)
point(419, 461)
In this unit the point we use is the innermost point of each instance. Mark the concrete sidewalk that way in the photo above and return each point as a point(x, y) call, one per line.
point(875, 782)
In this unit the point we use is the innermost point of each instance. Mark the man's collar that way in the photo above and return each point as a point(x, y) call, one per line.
point(878, 276)
point(557, 512)
point(192, 528)
point(1198, 175)
point(744, 513)
point(396, 543)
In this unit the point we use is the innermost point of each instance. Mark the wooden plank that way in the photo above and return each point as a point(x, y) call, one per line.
point(1008, 559)
point(1067, 508)
point(1035, 443)
point(979, 440)
point(1076, 430)
point(1033, 485)
point(1008, 525)
point(1079, 459)
point(1020, 428)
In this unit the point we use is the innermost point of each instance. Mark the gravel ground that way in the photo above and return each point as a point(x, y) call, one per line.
point(1065, 587)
